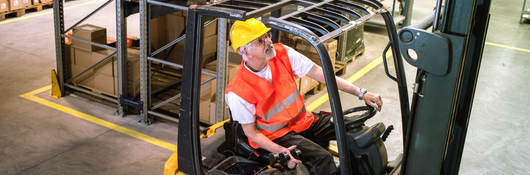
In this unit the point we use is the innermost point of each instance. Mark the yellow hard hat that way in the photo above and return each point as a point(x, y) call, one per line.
point(243, 32)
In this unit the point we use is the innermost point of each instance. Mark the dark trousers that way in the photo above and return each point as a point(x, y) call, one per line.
point(313, 143)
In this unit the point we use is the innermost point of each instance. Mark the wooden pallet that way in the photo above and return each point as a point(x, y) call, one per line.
point(46, 5)
point(12, 14)
point(39, 7)
point(313, 90)
point(20, 12)
point(340, 68)
point(33, 8)
point(352, 56)
point(97, 91)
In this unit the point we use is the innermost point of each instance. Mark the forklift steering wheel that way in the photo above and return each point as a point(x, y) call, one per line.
point(355, 121)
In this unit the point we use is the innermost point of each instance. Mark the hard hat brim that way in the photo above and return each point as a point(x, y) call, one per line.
point(256, 37)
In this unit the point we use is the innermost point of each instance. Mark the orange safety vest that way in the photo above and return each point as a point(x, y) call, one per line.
point(279, 106)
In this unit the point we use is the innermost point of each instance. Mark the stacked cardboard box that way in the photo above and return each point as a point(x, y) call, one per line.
point(234, 61)
point(208, 91)
point(4, 6)
point(305, 83)
point(18, 4)
point(208, 102)
point(91, 33)
point(103, 78)
point(302, 46)
point(167, 28)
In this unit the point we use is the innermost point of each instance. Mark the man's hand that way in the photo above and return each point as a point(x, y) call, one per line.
point(257, 137)
point(373, 100)
point(292, 163)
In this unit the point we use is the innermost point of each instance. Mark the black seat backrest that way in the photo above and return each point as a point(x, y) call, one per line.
point(236, 143)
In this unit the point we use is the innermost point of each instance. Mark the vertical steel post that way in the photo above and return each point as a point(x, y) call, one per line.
point(121, 56)
point(408, 12)
point(222, 59)
point(336, 109)
point(144, 63)
point(189, 159)
point(58, 23)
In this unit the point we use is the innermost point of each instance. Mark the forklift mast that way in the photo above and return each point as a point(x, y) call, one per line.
point(448, 60)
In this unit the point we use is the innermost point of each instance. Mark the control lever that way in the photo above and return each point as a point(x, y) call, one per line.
point(280, 160)
point(387, 132)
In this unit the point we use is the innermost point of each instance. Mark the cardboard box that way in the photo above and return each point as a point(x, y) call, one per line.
point(4, 5)
point(16, 4)
point(26, 3)
point(111, 69)
point(157, 32)
point(207, 111)
point(234, 62)
point(209, 50)
point(104, 78)
point(89, 32)
point(165, 29)
point(306, 84)
point(206, 88)
point(208, 30)
point(101, 83)
point(207, 102)
point(80, 60)
point(308, 50)
point(68, 57)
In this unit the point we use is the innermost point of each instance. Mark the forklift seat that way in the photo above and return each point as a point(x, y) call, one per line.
point(236, 143)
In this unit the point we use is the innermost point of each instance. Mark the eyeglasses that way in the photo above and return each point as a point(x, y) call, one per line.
point(261, 40)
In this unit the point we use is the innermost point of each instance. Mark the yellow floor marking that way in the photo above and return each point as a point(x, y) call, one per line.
point(507, 47)
point(322, 99)
point(31, 96)
point(47, 12)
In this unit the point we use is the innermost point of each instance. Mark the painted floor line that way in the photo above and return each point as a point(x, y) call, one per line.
point(507, 47)
point(31, 96)
point(47, 12)
point(322, 99)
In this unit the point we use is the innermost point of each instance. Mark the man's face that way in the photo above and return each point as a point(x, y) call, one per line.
point(262, 48)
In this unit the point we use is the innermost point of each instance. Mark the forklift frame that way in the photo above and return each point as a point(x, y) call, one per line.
point(189, 156)
point(448, 60)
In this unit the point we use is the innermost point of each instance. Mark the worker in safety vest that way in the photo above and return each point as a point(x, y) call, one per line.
point(263, 98)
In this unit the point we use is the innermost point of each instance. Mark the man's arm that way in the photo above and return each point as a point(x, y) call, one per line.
point(261, 140)
point(371, 99)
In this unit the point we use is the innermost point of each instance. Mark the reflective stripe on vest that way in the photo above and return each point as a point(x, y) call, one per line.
point(272, 128)
point(281, 106)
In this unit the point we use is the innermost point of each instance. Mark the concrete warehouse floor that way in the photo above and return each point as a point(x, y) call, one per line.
point(42, 135)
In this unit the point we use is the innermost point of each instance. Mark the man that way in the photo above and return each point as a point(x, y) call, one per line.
point(263, 98)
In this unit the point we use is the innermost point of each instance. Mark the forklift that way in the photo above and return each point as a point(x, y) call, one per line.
point(434, 123)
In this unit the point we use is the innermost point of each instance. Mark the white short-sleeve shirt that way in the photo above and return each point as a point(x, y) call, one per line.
point(244, 112)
